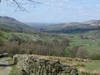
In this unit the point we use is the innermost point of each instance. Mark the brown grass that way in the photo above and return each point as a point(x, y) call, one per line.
point(62, 58)
point(85, 72)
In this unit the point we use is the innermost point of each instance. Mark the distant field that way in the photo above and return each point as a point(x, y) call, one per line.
point(25, 36)
point(90, 40)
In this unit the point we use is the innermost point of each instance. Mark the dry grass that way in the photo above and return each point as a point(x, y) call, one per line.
point(62, 58)
point(76, 64)
point(85, 72)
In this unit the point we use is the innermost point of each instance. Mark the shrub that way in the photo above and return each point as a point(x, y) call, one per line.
point(79, 51)
point(95, 56)
point(1, 38)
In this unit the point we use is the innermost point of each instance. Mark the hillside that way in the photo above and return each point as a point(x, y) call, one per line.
point(11, 24)
point(73, 27)
point(97, 22)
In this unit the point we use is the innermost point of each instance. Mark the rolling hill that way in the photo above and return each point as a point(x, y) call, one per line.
point(97, 22)
point(11, 24)
point(73, 27)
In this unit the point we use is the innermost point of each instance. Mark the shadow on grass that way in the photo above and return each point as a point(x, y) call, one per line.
point(6, 65)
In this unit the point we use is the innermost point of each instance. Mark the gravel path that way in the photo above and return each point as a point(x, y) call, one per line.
point(4, 67)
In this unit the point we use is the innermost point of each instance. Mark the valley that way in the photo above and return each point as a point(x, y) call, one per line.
point(58, 41)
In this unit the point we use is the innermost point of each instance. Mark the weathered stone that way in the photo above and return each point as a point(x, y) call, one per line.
point(30, 65)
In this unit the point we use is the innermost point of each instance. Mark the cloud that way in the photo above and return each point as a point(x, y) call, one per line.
point(57, 2)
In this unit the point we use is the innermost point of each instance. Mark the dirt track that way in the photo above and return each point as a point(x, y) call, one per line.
point(5, 68)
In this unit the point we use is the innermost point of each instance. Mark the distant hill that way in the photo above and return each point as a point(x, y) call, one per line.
point(97, 22)
point(11, 24)
point(73, 27)
point(41, 25)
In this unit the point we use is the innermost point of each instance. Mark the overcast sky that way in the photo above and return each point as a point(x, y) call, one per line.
point(54, 11)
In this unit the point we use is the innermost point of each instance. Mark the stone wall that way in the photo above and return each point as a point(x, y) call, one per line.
point(31, 65)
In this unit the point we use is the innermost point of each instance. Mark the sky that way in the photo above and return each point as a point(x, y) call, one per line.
point(53, 11)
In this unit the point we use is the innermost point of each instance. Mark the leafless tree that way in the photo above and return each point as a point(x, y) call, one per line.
point(21, 3)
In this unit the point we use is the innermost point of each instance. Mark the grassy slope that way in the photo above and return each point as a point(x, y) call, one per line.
point(93, 66)
point(34, 36)
point(91, 44)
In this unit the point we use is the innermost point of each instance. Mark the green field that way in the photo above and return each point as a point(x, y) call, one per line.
point(90, 40)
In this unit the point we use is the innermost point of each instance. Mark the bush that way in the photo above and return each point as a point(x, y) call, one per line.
point(1, 38)
point(78, 51)
point(1, 41)
point(82, 52)
point(95, 56)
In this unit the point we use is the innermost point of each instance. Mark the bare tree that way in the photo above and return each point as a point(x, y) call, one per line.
point(21, 3)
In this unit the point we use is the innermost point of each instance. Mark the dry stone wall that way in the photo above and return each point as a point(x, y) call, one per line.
point(31, 65)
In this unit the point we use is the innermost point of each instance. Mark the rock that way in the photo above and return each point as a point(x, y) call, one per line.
point(31, 65)
point(4, 55)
